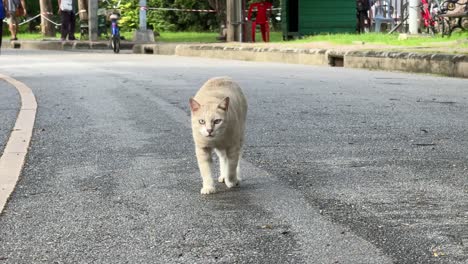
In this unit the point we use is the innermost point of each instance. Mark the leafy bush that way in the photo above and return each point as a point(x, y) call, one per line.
point(167, 20)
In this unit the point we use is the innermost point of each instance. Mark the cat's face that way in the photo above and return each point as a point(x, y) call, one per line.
point(209, 120)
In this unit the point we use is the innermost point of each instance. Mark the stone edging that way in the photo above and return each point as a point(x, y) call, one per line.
point(442, 64)
point(16, 148)
point(67, 45)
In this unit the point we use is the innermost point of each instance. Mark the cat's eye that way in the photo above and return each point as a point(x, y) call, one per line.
point(217, 121)
point(201, 121)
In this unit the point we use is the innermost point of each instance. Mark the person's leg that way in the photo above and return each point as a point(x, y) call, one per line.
point(1, 34)
point(65, 24)
point(71, 33)
point(69, 14)
point(13, 26)
point(68, 25)
point(62, 27)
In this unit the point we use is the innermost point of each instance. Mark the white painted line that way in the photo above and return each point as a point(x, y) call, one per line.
point(14, 154)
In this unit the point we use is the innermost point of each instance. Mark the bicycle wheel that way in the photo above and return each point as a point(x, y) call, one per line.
point(431, 29)
point(442, 25)
point(111, 42)
point(459, 25)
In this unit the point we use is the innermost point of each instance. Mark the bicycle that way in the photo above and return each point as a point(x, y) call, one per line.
point(115, 33)
point(426, 16)
point(455, 15)
point(433, 21)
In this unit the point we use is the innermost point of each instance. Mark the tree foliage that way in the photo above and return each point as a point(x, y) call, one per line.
point(169, 20)
point(162, 20)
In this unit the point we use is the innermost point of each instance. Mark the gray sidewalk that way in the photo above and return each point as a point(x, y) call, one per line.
point(437, 59)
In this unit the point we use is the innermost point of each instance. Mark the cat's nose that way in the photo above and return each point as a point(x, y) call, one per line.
point(209, 130)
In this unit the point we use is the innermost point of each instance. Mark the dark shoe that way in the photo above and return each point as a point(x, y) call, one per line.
point(72, 38)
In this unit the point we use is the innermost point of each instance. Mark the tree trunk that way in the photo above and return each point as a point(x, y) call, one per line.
point(47, 28)
point(93, 19)
point(83, 9)
point(220, 7)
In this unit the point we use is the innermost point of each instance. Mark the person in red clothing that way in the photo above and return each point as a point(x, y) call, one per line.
point(261, 19)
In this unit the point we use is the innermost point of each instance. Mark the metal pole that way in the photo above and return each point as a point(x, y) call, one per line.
point(402, 17)
point(413, 16)
point(143, 35)
point(241, 19)
point(230, 13)
point(143, 8)
point(93, 20)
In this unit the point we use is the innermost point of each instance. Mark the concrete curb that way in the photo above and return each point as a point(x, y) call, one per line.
point(67, 45)
point(286, 55)
point(441, 64)
point(14, 154)
point(157, 49)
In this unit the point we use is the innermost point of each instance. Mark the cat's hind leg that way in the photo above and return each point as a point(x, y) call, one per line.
point(204, 163)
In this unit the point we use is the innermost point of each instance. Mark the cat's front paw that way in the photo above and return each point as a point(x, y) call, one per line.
point(231, 184)
point(208, 190)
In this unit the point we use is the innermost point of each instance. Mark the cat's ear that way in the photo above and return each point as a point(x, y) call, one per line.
point(224, 104)
point(194, 105)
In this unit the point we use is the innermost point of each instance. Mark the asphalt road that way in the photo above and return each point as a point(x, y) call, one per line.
point(340, 165)
point(9, 105)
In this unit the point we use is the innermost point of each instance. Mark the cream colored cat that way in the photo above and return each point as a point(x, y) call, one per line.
point(219, 110)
